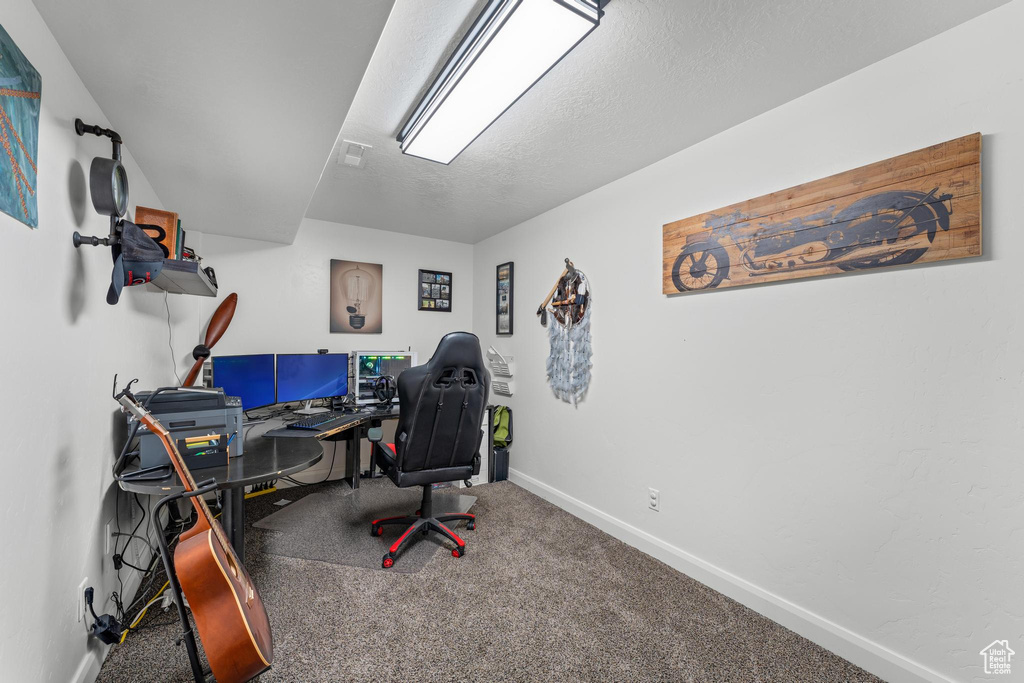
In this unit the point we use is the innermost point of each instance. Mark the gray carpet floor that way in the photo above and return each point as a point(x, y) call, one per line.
point(334, 526)
point(539, 596)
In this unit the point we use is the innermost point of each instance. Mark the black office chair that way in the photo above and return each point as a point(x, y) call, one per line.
point(438, 437)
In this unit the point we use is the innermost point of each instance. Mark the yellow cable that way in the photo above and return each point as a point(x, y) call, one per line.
point(143, 612)
point(253, 494)
point(146, 606)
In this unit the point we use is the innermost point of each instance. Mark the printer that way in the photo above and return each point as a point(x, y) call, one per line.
point(191, 412)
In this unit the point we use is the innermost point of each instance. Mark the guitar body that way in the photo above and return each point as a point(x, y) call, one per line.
point(229, 615)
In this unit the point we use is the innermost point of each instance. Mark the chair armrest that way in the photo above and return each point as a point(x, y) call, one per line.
point(375, 434)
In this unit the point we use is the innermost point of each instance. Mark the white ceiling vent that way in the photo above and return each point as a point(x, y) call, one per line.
point(353, 153)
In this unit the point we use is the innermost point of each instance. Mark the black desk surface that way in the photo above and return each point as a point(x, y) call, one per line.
point(334, 428)
point(262, 459)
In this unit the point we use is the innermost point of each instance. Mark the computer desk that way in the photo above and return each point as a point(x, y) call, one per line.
point(261, 459)
point(270, 451)
point(351, 429)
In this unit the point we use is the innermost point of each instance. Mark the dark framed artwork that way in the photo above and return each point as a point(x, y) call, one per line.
point(434, 290)
point(356, 297)
point(504, 299)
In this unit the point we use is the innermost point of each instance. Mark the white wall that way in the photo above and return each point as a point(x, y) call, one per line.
point(284, 290)
point(62, 345)
point(842, 454)
point(284, 293)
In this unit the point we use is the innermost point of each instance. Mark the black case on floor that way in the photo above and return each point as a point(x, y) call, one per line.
point(499, 454)
point(500, 463)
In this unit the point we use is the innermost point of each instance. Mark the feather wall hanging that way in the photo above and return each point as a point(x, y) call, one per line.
point(569, 305)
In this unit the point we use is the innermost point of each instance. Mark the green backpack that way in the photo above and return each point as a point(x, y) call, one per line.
point(501, 420)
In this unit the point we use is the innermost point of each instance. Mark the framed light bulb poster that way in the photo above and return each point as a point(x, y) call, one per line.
point(356, 301)
point(435, 290)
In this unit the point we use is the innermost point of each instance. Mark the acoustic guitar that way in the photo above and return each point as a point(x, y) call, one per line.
point(229, 615)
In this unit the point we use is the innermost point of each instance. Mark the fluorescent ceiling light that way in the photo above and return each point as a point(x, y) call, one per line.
point(510, 46)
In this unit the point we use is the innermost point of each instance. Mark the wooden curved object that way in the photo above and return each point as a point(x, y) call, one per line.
point(214, 331)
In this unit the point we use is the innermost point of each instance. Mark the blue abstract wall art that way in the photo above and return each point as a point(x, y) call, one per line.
point(20, 89)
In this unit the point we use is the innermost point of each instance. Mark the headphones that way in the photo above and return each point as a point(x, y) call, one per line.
point(385, 388)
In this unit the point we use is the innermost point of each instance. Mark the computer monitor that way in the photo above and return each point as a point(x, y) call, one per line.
point(249, 377)
point(309, 376)
point(369, 365)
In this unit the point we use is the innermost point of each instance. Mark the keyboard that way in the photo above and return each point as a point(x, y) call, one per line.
point(314, 421)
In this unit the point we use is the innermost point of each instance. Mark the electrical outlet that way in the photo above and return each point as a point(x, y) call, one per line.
point(80, 598)
point(108, 538)
point(654, 499)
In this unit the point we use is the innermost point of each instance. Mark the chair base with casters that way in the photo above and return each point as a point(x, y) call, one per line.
point(420, 525)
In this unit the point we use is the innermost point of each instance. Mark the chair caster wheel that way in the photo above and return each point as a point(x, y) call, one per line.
point(377, 531)
point(388, 562)
point(471, 526)
point(458, 552)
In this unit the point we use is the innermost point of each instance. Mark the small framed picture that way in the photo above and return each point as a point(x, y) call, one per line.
point(435, 290)
point(503, 310)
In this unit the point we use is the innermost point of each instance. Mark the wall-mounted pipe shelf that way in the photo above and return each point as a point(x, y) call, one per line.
point(108, 186)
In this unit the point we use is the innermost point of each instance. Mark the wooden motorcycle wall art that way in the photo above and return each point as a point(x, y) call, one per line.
point(569, 304)
point(914, 208)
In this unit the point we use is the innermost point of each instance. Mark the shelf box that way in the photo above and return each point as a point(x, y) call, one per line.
point(184, 277)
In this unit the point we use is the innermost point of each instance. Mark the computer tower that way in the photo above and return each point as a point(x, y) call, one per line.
point(367, 366)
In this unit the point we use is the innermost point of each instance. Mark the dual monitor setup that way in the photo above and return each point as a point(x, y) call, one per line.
point(265, 379)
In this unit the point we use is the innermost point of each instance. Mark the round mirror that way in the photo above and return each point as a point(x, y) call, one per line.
point(108, 185)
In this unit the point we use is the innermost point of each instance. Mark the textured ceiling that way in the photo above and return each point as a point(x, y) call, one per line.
point(655, 78)
point(230, 107)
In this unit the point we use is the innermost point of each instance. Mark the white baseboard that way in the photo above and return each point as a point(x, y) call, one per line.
point(89, 667)
point(855, 648)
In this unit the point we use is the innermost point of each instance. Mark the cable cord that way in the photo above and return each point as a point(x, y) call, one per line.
point(115, 469)
point(152, 573)
point(170, 334)
point(140, 595)
point(135, 622)
point(141, 538)
point(133, 534)
point(334, 454)
point(156, 562)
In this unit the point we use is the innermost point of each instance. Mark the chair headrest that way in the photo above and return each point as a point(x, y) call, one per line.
point(458, 349)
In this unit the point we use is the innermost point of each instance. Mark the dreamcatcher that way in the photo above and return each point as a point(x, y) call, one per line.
point(569, 305)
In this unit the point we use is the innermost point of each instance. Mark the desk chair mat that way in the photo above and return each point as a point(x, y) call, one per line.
point(334, 526)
